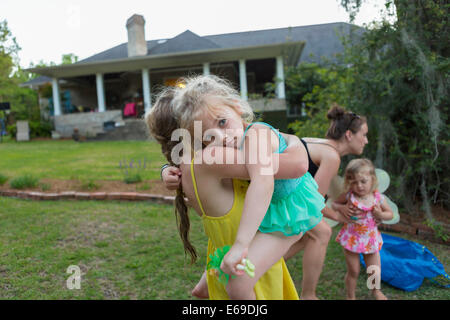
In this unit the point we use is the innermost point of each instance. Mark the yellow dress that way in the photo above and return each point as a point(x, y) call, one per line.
point(275, 284)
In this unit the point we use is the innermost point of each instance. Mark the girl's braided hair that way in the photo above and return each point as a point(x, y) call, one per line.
point(161, 122)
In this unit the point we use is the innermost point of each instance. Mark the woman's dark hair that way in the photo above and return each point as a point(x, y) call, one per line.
point(341, 121)
point(161, 122)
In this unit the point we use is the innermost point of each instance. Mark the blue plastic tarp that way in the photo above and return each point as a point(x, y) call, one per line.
point(405, 264)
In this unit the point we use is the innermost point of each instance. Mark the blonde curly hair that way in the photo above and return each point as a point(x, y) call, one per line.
point(193, 99)
point(360, 166)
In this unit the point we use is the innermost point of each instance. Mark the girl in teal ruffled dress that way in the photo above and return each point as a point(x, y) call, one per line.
point(276, 213)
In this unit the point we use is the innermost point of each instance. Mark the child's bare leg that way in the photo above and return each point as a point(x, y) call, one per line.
point(373, 264)
point(264, 251)
point(313, 258)
point(201, 289)
point(297, 247)
point(351, 277)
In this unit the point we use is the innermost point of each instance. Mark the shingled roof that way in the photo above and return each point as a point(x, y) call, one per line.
point(186, 41)
point(322, 40)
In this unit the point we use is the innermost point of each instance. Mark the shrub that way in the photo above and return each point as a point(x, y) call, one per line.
point(132, 170)
point(3, 179)
point(37, 129)
point(132, 177)
point(25, 181)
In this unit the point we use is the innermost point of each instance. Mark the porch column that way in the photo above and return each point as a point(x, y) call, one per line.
point(206, 71)
point(146, 89)
point(100, 93)
point(243, 79)
point(280, 79)
point(56, 97)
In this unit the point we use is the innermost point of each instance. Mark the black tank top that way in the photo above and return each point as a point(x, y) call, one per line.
point(312, 167)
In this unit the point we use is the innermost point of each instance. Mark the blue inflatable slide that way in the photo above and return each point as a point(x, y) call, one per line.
point(405, 264)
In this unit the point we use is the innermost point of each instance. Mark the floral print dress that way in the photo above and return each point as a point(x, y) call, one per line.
point(362, 237)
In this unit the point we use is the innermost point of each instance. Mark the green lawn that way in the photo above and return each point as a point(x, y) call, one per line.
point(130, 250)
point(70, 160)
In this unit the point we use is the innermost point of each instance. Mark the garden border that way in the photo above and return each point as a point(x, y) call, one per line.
point(73, 195)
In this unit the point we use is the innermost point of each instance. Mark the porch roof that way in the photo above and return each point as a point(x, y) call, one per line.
point(291, 52)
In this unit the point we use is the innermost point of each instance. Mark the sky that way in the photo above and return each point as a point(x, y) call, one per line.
point(47, 29)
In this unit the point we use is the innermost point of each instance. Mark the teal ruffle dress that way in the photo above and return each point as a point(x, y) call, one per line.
point(296, 204)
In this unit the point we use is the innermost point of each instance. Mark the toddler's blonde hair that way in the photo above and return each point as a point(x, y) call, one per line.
point(360, 166)
point(194, 98)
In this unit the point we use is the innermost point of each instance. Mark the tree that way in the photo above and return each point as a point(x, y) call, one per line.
point(69, 58)
point(401, 82)
point(397, 74)
point(23, 101)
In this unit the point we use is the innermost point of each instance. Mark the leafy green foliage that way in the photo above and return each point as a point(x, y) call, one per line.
point(400, 73)
point(37, 129)
point(3, 179)
point(316, 88)
point(132, 170)
point(24, 101)
point(24, 181)
point(397, 75)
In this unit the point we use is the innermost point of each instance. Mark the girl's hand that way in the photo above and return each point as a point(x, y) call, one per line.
point(349, 211)
point(378, 213)
point(171, 177)
point(232, 259)
point(343, 218)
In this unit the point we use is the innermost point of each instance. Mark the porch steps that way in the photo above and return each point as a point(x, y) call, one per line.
point(134, 129)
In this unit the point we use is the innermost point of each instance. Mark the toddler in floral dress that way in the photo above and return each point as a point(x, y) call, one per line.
point(362, 236)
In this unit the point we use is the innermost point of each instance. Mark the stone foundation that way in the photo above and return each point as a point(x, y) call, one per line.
point(89, 124)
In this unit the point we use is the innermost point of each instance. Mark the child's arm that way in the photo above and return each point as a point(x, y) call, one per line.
point(328, 168)
point(293, 163)
point(342, 199)
point(257, 198)
point(294, 160)
point(383, 211)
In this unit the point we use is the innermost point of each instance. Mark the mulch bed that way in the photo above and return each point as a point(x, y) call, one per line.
point(154, 191)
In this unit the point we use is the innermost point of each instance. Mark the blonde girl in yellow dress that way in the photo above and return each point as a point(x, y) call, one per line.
point(217, 193)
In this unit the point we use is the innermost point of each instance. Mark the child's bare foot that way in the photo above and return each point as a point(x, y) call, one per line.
point(378, 295)
point(201, 289)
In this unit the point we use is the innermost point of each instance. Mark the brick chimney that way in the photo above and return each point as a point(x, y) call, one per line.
point(137, 46)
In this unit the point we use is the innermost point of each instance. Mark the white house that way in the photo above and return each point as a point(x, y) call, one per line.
point(96, 90)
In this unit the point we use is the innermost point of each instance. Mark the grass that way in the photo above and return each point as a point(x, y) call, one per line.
point(124, 250)
point(131, 250)
point(70, 160)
